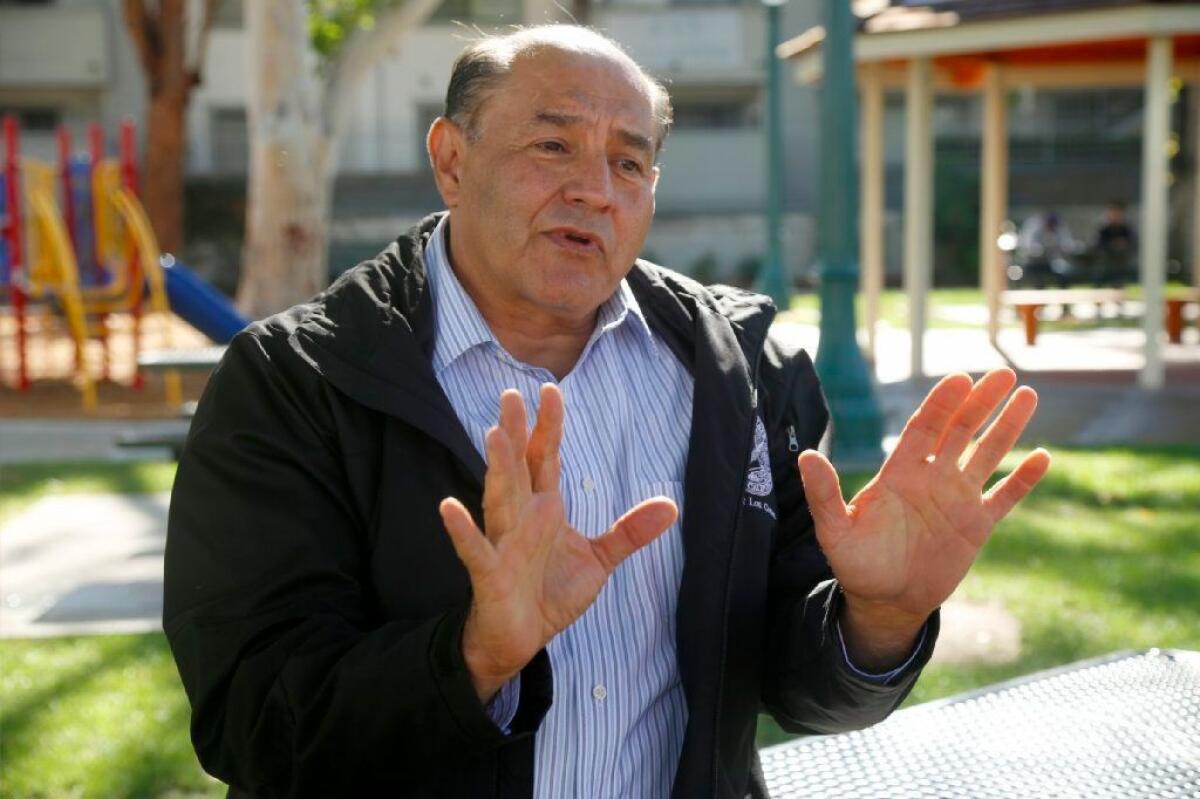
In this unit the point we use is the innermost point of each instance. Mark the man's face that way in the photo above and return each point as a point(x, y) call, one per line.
point(551, 201)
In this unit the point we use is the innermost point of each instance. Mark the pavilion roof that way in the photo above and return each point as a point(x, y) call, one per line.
point(880, 15)
point(1032, 31)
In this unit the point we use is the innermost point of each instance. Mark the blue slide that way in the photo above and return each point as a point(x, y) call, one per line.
point(199, 304)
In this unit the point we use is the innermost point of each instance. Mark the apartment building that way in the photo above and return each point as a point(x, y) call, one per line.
point(69, 62)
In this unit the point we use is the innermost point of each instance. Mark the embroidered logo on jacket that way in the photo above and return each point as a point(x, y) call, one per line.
point(758, 481)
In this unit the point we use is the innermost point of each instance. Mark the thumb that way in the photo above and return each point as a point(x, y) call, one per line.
point(642, 524)
point(823, 491)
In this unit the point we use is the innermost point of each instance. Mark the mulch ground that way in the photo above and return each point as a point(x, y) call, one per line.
point(55, 384)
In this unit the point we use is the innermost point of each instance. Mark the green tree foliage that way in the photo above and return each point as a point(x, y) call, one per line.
point(331, 22)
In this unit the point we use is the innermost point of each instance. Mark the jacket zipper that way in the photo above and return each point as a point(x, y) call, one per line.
point(737, 521)
point(793, 442)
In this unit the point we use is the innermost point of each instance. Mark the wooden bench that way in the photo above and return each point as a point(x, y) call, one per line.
point(1029, 301)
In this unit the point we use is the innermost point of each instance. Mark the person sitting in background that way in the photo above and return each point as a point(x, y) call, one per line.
point(1045, 250)
point(1114, 247)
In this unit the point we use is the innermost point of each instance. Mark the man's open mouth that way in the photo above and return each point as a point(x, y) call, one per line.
point(573, 239)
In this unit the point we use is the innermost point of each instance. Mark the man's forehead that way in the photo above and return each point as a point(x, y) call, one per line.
point(581, 83)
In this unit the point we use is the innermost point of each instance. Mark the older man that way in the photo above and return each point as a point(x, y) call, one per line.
point(382, 579)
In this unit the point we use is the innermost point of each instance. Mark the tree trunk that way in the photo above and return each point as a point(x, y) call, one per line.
point(162, 178)
point(158, 35)
point(284, 260)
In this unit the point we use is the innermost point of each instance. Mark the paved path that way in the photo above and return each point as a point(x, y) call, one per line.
point(83, 563)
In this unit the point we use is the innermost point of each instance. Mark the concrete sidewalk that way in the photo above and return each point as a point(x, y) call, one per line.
point(83, 564)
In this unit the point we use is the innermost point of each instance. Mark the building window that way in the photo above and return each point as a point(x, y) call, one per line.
point(230, 141)
point(34, 119)
point(715, 115)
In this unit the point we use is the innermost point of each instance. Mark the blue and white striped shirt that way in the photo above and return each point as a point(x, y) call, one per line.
point(616, 725)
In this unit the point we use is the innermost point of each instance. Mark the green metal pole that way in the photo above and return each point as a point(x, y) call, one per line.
point(773, 278)
point(857, 422)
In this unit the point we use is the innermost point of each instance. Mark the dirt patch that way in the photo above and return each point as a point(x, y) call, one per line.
point(977, 633)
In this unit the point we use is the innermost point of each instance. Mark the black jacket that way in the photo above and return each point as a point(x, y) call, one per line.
point(314, 605)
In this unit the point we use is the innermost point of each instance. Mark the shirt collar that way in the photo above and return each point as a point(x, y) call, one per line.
point(459, 326)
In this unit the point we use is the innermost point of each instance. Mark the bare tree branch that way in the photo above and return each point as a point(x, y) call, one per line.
point(143, 30)
point(362, 51)
point(206, 22)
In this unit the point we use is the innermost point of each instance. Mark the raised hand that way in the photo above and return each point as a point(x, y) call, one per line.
point(531, 573)
point(907, 539)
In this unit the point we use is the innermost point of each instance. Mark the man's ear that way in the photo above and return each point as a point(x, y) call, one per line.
point(446, 143)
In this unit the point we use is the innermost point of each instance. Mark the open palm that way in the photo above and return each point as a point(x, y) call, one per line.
point(907, 539)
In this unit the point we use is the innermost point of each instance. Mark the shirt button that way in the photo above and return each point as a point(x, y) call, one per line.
point(599, 693)
point(588, 485)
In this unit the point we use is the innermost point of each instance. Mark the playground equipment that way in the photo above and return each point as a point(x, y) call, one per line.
point(97, 256)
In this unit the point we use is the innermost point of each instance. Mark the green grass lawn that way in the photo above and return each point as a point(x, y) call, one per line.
point(1104, 556)
point(893, 307)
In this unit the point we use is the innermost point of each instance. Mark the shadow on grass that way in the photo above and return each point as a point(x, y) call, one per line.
point(111, 722)
point(1148, 575)
point(16, 717)
point(142, 768)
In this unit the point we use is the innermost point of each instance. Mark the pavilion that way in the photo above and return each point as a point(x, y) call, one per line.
point(993, 46)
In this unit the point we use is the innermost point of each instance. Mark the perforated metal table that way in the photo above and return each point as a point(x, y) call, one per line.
point(1126, 725)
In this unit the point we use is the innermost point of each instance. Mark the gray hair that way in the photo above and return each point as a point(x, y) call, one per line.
point(483, 64)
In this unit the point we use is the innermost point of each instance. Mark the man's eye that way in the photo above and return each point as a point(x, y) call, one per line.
point(631, 166)
point(552, 146)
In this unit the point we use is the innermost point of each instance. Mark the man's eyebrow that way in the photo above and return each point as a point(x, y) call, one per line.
point(637, 140)
point(564, 120)
point(559, 119)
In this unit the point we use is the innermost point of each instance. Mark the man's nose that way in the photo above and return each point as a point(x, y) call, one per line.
point(590, 182)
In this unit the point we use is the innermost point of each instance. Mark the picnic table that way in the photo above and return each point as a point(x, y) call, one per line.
point(190, 360)
point(1177, 300)
point(1029, 302)
point(171, 435)
point(1126, 725)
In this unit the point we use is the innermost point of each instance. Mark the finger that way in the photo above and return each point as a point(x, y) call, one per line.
point(514, 423)
point(985, 397)
point(924, 428)
point(543, 454)
point(1012, 489)
point(1001, 436)
point(473, 549)
point(823, 490)
point(505, 486)
point(638, 527)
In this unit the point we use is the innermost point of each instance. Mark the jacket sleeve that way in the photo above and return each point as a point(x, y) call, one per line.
point(808, 686)
point(296, 686)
